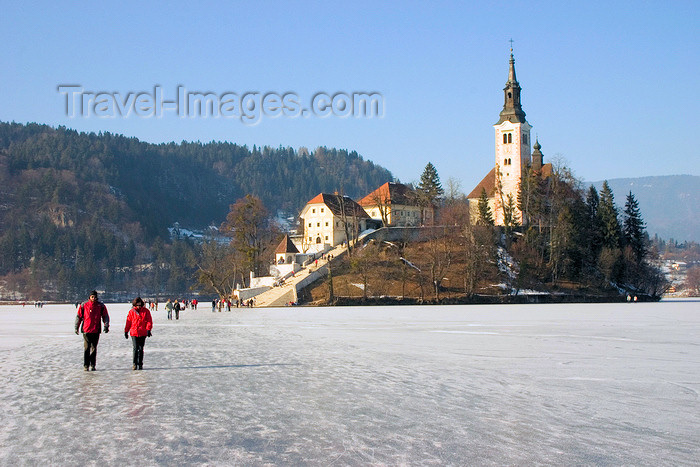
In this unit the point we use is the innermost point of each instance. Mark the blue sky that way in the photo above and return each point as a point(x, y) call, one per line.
point(609, 87)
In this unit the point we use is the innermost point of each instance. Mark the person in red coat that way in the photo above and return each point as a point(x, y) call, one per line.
point(88, 321)
point(139, 324)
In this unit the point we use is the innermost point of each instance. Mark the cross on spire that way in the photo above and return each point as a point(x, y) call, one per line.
point(511, 45)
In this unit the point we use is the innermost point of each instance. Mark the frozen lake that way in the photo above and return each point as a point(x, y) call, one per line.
point(452, 385)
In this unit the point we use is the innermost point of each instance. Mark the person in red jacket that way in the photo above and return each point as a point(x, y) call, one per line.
point(139, 324)
point(88, 321)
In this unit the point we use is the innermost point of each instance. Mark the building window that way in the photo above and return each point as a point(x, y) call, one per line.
point(309, 239)
point(510, 137)
point(318, 239)
point(509, 162)
point(326, 226)
point(326, 237)
point(321, 209)
point(318, 224)
point(505, 161)
point(505, 138)
point(313, 211)
point(524, 138)
point(309, 224)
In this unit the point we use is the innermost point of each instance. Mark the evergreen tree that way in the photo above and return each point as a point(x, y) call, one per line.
point(593, 229)
point(485, 214)
point(633, 233)
point(429, 189)
point(510, 214)
point(608, 218)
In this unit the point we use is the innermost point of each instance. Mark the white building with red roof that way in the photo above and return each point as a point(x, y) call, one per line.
point(329, 220)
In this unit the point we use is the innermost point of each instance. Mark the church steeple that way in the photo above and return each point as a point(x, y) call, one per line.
point(512, 110)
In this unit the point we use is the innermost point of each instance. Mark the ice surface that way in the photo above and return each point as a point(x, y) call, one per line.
point(452, 385)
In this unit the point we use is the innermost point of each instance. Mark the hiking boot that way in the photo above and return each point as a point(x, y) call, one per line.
point(133, 367)
point(86, 368)
point(140, 367)
point(92, 368)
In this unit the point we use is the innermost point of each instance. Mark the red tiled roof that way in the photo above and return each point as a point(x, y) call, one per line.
point(488, 183)
point(389, 193)
point(316, 199)
point(286, 246)
point(334, 203)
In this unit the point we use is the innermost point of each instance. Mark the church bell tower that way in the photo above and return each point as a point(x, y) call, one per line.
point(512, 144)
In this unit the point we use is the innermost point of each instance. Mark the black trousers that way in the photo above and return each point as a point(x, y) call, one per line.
point(90, 340)
point(138, 343)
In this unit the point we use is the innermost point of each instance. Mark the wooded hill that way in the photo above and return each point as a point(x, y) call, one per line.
point(80, 208)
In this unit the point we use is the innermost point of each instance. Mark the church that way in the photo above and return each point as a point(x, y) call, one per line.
point(513, 155)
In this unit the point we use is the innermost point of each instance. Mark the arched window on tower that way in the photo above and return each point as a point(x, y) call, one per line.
point(509, 162)
point(505, 161)
point(524, 138)
point(505, 138)
point(510, 137)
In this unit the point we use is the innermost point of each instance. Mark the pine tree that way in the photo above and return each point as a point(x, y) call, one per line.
point(485, 214)
point(593, 226)
point(607, 214)
point(510, 213)
point(633, 228)
point(429, 188)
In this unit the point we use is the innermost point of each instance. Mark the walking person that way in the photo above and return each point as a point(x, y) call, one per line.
point(169, 309)
point(176, 308)
point(138, 324)
point(88, 321)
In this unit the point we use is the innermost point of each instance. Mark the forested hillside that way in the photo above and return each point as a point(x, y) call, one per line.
point(83, 208)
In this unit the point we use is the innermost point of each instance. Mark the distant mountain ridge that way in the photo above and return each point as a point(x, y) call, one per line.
point(670, 204)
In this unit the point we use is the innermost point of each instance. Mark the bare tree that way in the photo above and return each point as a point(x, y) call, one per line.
point(349, 214)
point(692, 281)
point(441, 250)
point(453, 193)
point(252, 231)
point(383, 202)
point(364, 262)
point(219, 268)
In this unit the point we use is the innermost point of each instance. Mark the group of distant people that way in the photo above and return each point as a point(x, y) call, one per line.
point(227, 304)
point(175, 306)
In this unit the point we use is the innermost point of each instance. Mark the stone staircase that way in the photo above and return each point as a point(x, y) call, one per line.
point(287, 292)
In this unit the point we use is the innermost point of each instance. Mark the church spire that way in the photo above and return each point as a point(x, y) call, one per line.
point(512, 110)
point(537, 157)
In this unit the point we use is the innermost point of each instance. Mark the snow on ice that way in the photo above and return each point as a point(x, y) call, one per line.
point(451, 385)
